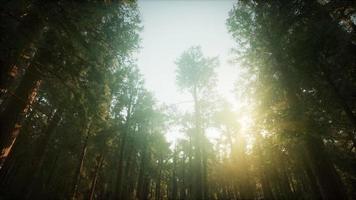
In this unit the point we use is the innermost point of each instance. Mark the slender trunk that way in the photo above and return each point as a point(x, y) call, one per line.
point(141, 177)
point(120, 173)
point(41, 151)
point(143, 181)
point(183, 179)
point(266, 187)
point(96, 174)
point(245, 185)
point(205, 170)
point(12, 117)
point(191, 169)
point(198, 191)
point(174, 176)
point(53, 168)
point(328, 180)
point(146, 187)
point(9, 168)
point(129, 173)
point(284, 184)
point(152, 189)
point(158, 181)
point(77, 174)
point(312, 181)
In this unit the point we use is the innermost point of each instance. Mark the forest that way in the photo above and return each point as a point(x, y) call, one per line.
point(78, 122)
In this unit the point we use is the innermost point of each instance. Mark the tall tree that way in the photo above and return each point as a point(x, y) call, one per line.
point(196, 73)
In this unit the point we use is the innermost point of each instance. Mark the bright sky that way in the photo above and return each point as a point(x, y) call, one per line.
point(171, 27)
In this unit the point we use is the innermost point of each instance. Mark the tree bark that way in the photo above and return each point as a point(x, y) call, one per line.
point(96, 174)
point(41, 151)
point(198, 190)
point(266, 187)
point(312, 181)
point(123, 143)
point(326, 175)
point(12, 117)
point(174, 176)
point(328, 180)
point(77, 175)
point(28, 31)
point(183, 179)
point(129, 173)
point(158, 181)
point(142, 174)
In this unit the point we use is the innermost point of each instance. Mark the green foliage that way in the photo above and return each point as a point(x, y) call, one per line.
point(84, 126)
point(194, 70)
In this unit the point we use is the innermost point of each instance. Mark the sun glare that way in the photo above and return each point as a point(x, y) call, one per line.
point(246, 122)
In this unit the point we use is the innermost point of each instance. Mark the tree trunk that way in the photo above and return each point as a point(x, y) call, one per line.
point(266, 187)
point(77, 174)
point(129, 173)
point(11, 118)
point(312, 181)
point(146, 187)
point(123, 143)
point(96, 174)
point(120, 170)
point(191, 169)
point(9, 167)
point(183, 179)
point(174, 176)
point(158, 181)
point(327, 178)
point(28, 31)
point(41, 151)
point(198, 187)
point(282, 173)
point(141, 176)
point(205, 167)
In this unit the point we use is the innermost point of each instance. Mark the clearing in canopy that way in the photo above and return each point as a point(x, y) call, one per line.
point(178, 100)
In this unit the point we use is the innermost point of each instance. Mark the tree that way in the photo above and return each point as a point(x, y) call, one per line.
point(195, 73)
point(271, 31)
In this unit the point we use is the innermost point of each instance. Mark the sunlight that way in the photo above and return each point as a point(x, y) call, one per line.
point(246, 121)
point(173, 135)
point(213, 135)
point(168, 33)
point(178, 99)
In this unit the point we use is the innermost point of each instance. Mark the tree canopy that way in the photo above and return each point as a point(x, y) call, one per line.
point(78, 122)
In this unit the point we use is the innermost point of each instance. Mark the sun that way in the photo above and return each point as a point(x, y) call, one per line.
point(246, 122)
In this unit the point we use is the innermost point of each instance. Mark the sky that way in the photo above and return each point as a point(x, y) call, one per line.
point(171, 27)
